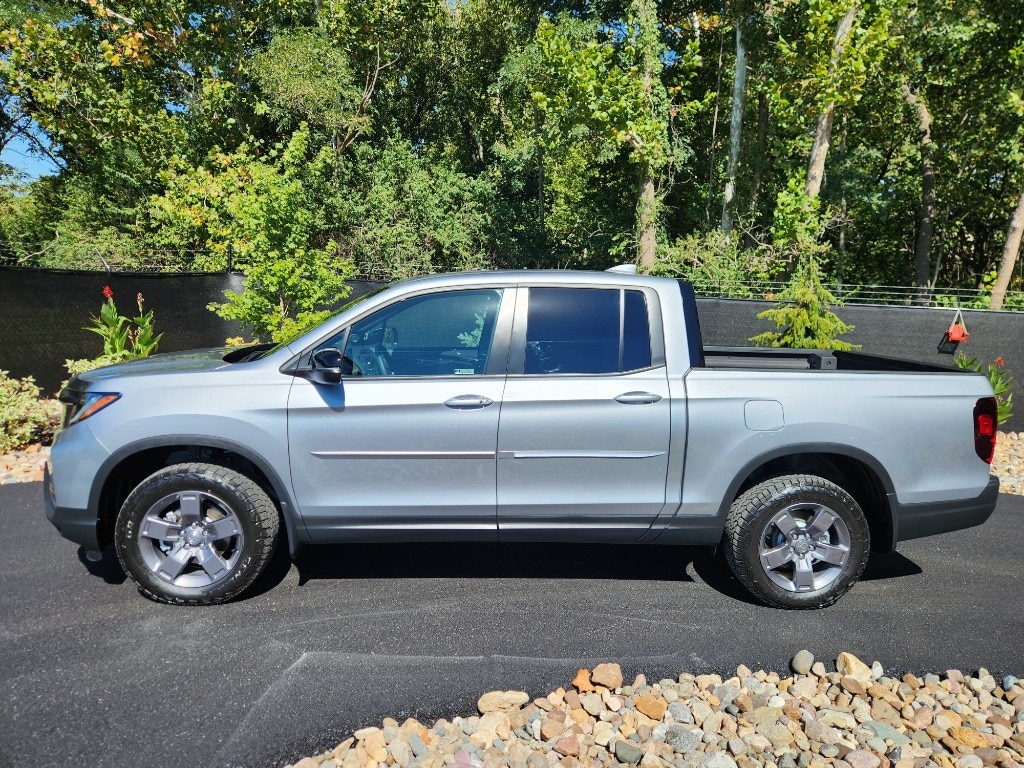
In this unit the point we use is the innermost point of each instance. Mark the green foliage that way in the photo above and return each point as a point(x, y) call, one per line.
point(813, 77)
point(24, 418)
point(284, 297)
point(803, 314)
point(717, 264)
point(599, 86)
point(409, 215)
point(492, 132)
point(75, 367)
point(797, 216)
point(265, 212)
point(998, 377)
point(124, 338)
point(306, 78)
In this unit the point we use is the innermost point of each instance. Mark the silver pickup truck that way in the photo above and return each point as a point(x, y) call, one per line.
point(518, 406)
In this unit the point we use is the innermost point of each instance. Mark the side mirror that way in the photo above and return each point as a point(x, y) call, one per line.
point(328, 366)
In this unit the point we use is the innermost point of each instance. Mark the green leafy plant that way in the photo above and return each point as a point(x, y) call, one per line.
point(998, 377)
point(24, 418)
point(265, 208)
point(803, 316)
point(124, 338)
point(716, 263)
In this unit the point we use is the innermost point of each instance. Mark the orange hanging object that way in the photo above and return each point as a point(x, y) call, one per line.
point(957, 331)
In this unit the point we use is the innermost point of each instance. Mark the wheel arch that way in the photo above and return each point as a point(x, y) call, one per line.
point(855, 471)
point(131, 464)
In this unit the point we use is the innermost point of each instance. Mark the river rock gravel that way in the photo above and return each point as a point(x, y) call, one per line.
point(856, 716)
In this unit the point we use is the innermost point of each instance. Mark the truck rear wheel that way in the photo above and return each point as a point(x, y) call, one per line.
point(797, 541)
point(196, 534)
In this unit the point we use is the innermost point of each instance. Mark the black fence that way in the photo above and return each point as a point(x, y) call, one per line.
point(43, 315)
point(913, 333)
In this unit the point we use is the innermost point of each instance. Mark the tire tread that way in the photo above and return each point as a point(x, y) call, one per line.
point(258, 505)
point(745, 515)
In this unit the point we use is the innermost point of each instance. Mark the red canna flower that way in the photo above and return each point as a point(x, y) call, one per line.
point(108, 292)
point(1000, 361)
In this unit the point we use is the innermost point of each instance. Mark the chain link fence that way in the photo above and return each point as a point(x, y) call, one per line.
point(885, 295)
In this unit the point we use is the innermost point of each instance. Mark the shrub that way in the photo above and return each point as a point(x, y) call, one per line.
point(24, 418)
point(999, 378)
point(803, 316)
point(715, 264)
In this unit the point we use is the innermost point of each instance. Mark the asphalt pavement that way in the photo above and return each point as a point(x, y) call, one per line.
point(94, 674)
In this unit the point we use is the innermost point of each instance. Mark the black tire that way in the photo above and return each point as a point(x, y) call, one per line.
point(196, 534)
point(809, 567)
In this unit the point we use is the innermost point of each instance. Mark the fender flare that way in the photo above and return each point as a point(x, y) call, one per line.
point(296, 530)
point(819, 449)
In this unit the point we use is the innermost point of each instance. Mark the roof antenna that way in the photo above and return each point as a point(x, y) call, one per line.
point(623, 269)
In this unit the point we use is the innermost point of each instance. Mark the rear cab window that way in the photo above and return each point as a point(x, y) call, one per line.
point(586, 331)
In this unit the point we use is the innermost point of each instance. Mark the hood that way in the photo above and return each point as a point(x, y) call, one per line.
point(170, 362)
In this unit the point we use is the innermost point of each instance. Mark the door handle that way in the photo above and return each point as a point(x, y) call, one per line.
point(638, 398)
point(468, 402)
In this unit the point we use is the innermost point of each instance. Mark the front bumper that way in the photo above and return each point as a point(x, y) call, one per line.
point(913, 521)
point(77, 525)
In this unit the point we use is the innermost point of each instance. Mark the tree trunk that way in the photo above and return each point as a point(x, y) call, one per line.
point(1011, 251)
point(712, 154)
point(823, 131)
point(647, 204)
point(647, 220)
point(927, 212)
point(762, 162)
point(739, 90)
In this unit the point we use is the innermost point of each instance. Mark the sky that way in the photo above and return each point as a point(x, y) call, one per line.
point(18, 155)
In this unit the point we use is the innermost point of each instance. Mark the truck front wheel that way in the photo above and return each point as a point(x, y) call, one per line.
point(797, 541)
point(196, 534)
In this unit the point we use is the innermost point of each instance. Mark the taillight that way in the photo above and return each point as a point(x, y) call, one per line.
point(986, 421)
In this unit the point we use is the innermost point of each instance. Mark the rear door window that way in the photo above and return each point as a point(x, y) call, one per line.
point(586, 330)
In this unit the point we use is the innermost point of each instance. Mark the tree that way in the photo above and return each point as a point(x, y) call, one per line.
point(739, 89)
point(615, 93)
point(839, 43)
point(1011, 252)
point(264, 212)
point(1015, 229)
point(803, 314)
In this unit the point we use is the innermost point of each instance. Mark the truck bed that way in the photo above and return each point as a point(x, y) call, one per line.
point(767, 358)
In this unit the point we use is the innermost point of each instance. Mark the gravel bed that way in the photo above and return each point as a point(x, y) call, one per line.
point(1008, 462)
point(854, 717)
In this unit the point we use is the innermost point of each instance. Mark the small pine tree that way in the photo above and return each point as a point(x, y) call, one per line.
point(803, 316)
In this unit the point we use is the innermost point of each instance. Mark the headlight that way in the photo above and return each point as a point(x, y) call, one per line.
point(79, 406)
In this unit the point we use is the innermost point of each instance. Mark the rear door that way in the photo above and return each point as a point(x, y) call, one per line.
point(583, 441)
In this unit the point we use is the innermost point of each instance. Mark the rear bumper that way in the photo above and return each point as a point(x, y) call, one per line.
point(912, 521)
point(77, 525)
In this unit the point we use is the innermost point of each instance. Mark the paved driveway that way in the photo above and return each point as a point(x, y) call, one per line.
point(93, 674)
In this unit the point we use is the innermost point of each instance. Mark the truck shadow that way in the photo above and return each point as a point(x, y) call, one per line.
point(531, 561)
point(507, 561)
point(493, 561)
point(109, 568)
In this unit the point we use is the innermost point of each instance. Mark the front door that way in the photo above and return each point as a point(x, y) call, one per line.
point(584, 437)
point(407, 442)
